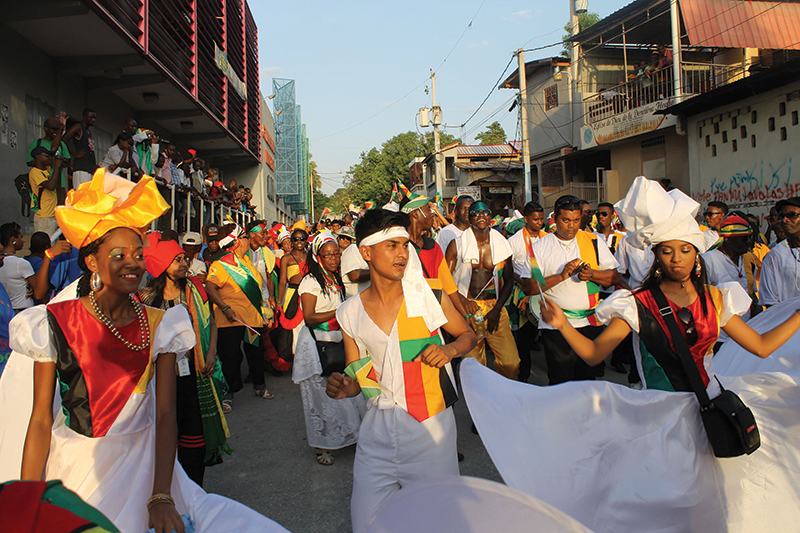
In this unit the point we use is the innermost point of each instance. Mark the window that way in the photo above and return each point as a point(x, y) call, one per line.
point(716, 127)
point(551, 97)
point(713, 150)
point(771, 124)
point(753, 141)
point(794, 118)
point(743, 132)
point(733, 123)
point(783, 134)
point(782, 108)
point(724, 136)
point(753, 117)
point(734, 145)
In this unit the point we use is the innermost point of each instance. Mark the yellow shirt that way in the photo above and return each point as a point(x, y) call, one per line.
point(49, 199)
point(234, 296)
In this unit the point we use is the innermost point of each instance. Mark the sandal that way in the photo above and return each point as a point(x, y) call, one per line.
point(324, 457)
point(264, 393)
point(227, 406)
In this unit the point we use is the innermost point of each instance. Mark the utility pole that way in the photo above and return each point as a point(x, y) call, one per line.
point(437, 154)
point(523, 112)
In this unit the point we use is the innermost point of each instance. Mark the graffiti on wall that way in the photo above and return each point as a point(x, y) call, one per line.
point(753, 190)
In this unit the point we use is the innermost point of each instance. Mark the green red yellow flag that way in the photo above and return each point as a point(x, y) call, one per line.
point(363, 372)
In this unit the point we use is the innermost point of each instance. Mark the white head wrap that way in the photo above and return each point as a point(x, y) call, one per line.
point(321, 240)
point(420, 301)
point(652, 215)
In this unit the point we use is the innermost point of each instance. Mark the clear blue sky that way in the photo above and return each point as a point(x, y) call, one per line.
point(353, 59)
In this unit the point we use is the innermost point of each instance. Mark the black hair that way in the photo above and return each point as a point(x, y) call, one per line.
point(40, 241)
point(300, 230)
point(584, 202)
point(170, 235)
point(606, 204)
point(158, 285)
point(566, 206)
point(88, 110)
point(376, 220)
point(699, 282)
point(531, 208)
point(124, 136)
point(8, 231)
point(337, 221)
point(720, 205)
point(315, 270)
point(84, 285)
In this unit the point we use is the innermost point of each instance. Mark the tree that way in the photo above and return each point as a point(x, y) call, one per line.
point(373, 176)
point(494, 134)
point(585, 21)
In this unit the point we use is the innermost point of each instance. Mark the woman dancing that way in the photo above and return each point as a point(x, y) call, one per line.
point(113, 441)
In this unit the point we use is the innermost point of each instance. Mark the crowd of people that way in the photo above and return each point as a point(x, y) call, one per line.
point(373, 313)
point(65, 157)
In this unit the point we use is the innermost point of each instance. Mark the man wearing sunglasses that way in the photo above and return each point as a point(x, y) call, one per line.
point(575, 264)
point(605, 226)
point(480, 260)
point(780, 272)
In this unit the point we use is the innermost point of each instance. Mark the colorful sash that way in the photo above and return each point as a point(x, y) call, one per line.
point(587, 245)
point(209, 389)
point(250, 285)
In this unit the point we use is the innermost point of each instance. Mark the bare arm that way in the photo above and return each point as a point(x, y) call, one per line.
point(211, 356)
point(214, 296)
point(164, 515)
point(282, 280)
point(591, 351)
point(493, 316)
point(465, 339)
point(451, 256)
point(40, 282)
point(37, 439)
point(605, 278)
point(358, 275)
point(340, 385)
point(310, 315)
point(762, 344)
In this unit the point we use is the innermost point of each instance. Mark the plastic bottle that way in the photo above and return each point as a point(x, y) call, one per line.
point(479, 324)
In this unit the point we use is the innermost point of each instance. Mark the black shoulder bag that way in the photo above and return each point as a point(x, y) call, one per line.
point(730, 424)
point(331, 355)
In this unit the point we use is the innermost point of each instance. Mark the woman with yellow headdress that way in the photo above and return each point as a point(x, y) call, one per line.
point(113, 440)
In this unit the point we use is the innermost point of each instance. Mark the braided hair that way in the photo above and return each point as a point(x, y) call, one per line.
point(316, 270)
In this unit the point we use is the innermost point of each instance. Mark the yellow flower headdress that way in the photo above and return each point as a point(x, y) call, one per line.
point(108, 202)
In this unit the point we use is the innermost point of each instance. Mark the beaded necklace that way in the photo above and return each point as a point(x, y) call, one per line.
point(140, 314)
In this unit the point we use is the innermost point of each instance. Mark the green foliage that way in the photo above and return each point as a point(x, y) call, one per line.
point(585, 20)
point(373, 176)
point(494, 134)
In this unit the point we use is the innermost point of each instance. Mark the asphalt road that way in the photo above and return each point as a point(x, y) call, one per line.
point(275, 472)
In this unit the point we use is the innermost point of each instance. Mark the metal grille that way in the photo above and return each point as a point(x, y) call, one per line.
point(171, 38)
point(285, 138)
point(210, 78)
point(128, 13)
point(251, 68)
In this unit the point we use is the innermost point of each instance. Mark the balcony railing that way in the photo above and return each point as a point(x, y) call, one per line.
point(696, 78)
point(593, 193)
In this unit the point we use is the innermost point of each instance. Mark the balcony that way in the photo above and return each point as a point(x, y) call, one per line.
point(655, 89)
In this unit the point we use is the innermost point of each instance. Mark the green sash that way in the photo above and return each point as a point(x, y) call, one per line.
point(243, 277)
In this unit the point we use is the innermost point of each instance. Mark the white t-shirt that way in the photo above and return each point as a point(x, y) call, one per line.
point(634, 262)
point(352, 260)
point(519, 255)
point(446, 235)
point(780, 275)
point(613, 239)
point(197, 268)
point(114, 156)
point(325, 302)
point(720, 268)
point(14, 276)
point(552, 254)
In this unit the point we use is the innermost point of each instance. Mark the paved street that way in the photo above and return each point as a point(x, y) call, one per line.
point(275, 472)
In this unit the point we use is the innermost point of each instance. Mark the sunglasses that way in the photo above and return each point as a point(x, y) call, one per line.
point(480, 213)
point(298, 239)
point(712, 213)
point(344, 237)
point(328, 256)
point(688, 320)
point(603, 214)
point(790, 215)
point(568, 199)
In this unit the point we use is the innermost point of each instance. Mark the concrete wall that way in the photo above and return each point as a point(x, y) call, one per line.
point(751, 179)
point(548, 130)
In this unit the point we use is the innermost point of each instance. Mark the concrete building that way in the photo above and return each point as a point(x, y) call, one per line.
point(186, 70)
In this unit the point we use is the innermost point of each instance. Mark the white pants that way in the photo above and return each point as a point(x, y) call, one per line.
point(45, 224)
point(80, 176)
point(394, 449)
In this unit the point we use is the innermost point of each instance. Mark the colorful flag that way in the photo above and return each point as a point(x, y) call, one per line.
point(369, 204)
point(438, 201)
point(363, 372)
point(395, 193)
point(404, 189)
point(326, 211)
point(536, 272)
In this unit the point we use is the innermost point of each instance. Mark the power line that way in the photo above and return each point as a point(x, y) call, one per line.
point(490, 92)
point(462, 36)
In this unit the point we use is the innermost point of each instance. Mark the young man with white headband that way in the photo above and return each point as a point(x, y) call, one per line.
point(480, 260)
point(397, 359)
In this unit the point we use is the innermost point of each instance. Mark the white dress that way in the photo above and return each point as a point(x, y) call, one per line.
point(330, 424)
point(618, 459)
point(114, 472)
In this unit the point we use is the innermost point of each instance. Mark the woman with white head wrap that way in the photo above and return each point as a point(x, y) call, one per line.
point(330, 424)
point(618, 459)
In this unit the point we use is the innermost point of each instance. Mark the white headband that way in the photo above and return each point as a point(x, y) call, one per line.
point(384, 235)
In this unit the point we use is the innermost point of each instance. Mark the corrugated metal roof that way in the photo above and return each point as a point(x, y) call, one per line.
point(489, 165)
point(486, 150)
point(737, 24)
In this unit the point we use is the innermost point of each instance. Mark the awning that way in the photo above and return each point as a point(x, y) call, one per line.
point(738, 24)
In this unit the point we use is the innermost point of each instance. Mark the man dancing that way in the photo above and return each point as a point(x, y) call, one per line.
point(478, 259)
point(397, 359)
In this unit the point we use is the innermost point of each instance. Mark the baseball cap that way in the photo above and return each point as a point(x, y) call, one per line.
point(794, 201)
point(40, 150)
point(212, 232)
point(346, 231)
point(192, 238)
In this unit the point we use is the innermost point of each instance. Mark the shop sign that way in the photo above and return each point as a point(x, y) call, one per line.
point(501, 190)
point(469, 190)
point(221, 59)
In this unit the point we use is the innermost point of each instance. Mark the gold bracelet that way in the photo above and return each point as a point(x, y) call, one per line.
point(161, 497)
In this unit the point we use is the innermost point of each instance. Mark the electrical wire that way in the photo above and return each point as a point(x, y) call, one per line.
point(490, 91)
point(461, 37)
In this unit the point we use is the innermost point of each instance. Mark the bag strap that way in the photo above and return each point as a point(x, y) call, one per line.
point(681, 347)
